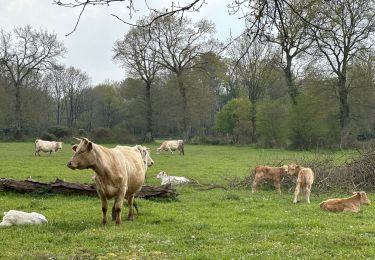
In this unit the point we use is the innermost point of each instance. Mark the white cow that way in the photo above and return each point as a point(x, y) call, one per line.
point(15, 217)
point(172, 145)
point(47, 146)
point(173, 180)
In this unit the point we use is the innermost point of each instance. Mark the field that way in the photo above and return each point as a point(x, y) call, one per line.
point(212, 224)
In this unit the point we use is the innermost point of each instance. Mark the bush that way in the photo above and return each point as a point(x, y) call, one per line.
point(60, 131)
point(103, 134)
point(48, 136)
point(208, 140)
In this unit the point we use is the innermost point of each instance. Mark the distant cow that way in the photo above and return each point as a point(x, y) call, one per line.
point(47, 146)
point(273, 174)
point(15, 217)
point(352, 204)
point(305, 179)
point(120, 172)
point(173, 180)
point(171, 146)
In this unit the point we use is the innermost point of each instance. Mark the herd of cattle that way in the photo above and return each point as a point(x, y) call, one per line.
point(120, 172)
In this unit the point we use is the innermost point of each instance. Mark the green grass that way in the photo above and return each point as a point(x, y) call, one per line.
point(213, 224)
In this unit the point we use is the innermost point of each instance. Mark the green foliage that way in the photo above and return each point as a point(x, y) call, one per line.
point(234, 119)
point(273, 124)
point(314, 121)
point(60, 131)
point(48, 136)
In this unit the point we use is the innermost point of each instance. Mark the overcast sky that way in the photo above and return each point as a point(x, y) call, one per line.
point(90, 47)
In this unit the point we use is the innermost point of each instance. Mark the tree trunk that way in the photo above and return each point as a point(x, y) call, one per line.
point(69, 188)
point(292, 89)
point(18, 106)
point(254, 137)
point(344, 112)
point(148, 137)
point(185, 112)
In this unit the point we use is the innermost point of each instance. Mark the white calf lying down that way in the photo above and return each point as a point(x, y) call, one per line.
point(15, 217)
point(173, 180)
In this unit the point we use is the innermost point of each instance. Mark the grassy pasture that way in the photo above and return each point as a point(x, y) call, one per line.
point(214, 224)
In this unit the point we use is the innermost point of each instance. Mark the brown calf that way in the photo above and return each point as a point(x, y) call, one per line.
point(352, 204)
point(305, 179)
point(273, 174)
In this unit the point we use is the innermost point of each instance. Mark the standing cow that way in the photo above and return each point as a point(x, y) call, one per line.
point(172, 145)
point(305, 179)
point(274, 174)
point(47, 146)
point(119, 173)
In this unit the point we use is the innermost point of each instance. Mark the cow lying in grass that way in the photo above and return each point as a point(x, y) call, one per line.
point(15, 217)
point(273, 174)
point(120, 172)
point(352, 204)
point(305, 179)
point(173, 180)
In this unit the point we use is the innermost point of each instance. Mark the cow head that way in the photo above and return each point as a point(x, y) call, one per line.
point(363, 197)
point(161, 175)
point(145, 153)
point(83, 157)
point(285, 168)
point(59, 145)
point(293, 169)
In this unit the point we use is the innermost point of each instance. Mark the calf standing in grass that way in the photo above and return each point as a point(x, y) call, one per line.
point(305, 179)
point(352, 204)
point(273, 174)
point(120, 172)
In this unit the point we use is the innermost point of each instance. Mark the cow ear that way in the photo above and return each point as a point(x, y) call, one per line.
point(74, 147)
point(89, 146)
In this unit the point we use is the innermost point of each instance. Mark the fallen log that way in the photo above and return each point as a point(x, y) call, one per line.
point(61, 187)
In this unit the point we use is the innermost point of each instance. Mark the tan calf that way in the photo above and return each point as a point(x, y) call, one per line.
point(352, 204)
point(305, 179)
point(269, 173)
point(119, 173)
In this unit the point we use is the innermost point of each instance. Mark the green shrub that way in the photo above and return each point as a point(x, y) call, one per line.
point(60, 131)
point(48, 136)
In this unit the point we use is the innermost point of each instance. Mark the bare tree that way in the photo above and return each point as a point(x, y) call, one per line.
point(290, 32)
point(75, 82)
point(345, 29)
point(179, 42)
point(24, 53)
point(137, 54)
point(55, 82)
point(252, 71)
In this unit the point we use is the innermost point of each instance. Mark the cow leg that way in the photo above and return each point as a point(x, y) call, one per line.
point(118, 206)
point(277, 186)
point(307, 193)
point(131, 209)
point(104, 208)
point(296, 193)
point(254, 186)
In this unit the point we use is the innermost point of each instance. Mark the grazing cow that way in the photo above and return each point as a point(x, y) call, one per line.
point(305, 179)
point(352, 204)
point(145, 153)
point(15, 217)
point(119, 173)
point(173, 180)
point(171, 146)
point(47, 146)
point(273, 174)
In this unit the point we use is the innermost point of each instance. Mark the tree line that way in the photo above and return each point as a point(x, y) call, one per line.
point(305, 81)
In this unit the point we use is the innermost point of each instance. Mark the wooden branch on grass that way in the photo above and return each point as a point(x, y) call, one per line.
point(61, 187)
